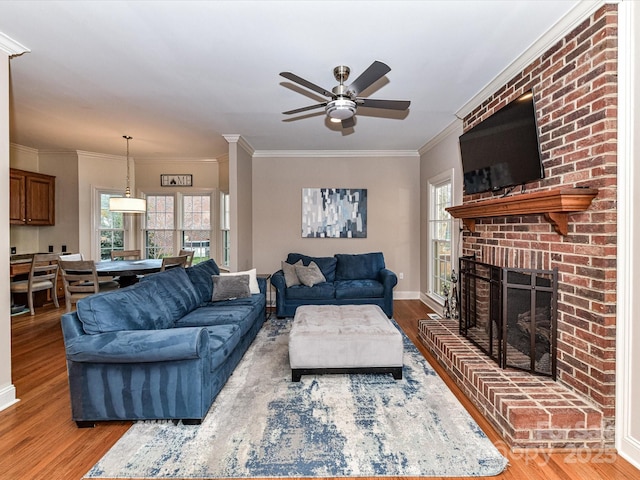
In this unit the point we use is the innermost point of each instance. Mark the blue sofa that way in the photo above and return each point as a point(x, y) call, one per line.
point(160, 349)
point(350, 279)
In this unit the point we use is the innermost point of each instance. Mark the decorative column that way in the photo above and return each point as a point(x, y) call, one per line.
point(8, 48)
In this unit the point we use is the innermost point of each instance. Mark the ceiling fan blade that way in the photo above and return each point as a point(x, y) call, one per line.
point(304, 109)
point(388, 104)
point(367, 78)
point(306, 83)
point(349, 122)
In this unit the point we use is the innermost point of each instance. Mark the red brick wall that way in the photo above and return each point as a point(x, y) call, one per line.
point(575, 88)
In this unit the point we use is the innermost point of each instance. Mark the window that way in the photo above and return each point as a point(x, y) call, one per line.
point(196, 226)
point(225, 228)
point(439, 231)
point(176, 222)
point(160, 226)
point(110, 227)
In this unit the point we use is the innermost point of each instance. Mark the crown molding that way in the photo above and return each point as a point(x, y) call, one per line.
point(22, 148)
point(173, 161)
point(11, 47)
point(450, 129)
point(334, 153)
point(572, 19)
point(242, 143)
point(100, 156)
point(138, 160)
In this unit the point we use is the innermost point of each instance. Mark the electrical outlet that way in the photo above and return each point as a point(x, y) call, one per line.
point(401, 276)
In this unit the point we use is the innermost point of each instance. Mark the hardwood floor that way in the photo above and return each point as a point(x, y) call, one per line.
point(38, 440)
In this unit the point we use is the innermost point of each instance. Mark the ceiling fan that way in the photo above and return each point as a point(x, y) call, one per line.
point(344, 100)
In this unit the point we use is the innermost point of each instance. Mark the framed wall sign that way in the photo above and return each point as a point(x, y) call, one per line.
point(176, 180)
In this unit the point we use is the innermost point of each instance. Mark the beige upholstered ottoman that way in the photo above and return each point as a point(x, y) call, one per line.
point(344, 339)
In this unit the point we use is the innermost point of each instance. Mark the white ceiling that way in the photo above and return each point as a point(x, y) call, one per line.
point(178, 75)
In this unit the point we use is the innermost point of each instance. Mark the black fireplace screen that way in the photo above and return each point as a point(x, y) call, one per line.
point(510, 314)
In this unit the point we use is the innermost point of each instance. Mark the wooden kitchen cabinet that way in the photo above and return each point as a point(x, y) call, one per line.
point(32, 198)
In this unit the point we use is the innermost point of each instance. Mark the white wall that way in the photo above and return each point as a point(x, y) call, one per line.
point(64, 166)
point(393, 199)
point(437, 157)
point(240, 203)
point(148, 170)
point(98, 171)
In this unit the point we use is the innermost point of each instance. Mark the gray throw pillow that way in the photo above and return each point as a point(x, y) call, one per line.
point(230, 287)
point(310, 275)
point(290, 275)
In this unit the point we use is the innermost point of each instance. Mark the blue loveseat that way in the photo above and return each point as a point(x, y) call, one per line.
point(160, 349)
point(349, 279)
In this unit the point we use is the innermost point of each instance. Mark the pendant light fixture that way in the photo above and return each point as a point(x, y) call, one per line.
point(127, 204)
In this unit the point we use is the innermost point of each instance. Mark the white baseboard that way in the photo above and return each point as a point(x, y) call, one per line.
point(629, 449)
point(431, 303)
point(8, 397)
point(406, 295)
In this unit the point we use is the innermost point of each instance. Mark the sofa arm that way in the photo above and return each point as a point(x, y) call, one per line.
point(277, 280)
point(388, 279)
point(262, 284)
point(139, 346)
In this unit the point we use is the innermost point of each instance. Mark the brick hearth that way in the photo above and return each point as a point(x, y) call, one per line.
point(575, 90)
point(527, 410)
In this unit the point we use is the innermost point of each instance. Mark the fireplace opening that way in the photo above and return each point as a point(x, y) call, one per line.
point(510, 314)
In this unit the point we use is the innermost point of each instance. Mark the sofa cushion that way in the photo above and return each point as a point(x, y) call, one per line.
point(223, 339)
point(327, 265)
point(139, 307)
point(321, 291)
point(310, 275)
point(359, 289)
point(359, 266)
point(200, 276)
point(254, 301)
point(178, 294)
point(230, 287)
point(243, 316)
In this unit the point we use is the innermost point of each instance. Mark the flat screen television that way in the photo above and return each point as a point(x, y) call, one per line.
point(502, 150)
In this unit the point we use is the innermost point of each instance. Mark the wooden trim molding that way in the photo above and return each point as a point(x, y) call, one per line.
point(555, 205)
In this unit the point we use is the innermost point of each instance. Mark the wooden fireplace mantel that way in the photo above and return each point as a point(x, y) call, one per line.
point(555, 205)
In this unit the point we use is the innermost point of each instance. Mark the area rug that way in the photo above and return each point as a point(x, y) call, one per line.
point(264, 425)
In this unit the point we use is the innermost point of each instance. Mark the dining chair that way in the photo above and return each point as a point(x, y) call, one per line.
point(43, 275)
point(81, 280)
point(189, 254)
point(72, 256)
point(105, 282)
point(125, 255)
point(173, 262)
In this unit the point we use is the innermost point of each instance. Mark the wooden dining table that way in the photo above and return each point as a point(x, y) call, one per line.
point(128, 270)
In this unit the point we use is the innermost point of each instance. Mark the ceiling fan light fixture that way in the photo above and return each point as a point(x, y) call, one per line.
point(340, 109)
point(343, 99)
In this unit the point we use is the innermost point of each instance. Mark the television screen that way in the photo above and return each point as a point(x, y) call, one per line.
point(503, 150)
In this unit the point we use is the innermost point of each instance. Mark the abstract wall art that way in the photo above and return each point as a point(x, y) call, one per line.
point(334, 213)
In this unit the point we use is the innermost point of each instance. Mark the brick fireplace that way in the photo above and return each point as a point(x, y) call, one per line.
point(575, 88)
